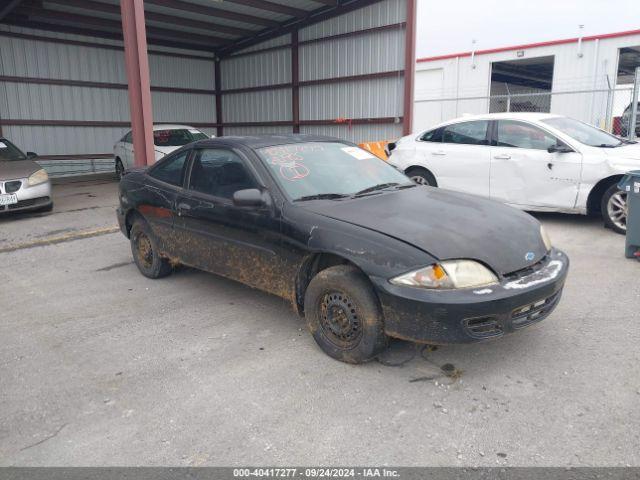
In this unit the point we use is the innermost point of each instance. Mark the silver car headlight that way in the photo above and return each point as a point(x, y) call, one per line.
point(450, 274)
point(38, 177)
point(545, 238)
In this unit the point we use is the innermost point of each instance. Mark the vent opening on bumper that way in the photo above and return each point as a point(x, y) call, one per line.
point(533, 312)
point(483, 327)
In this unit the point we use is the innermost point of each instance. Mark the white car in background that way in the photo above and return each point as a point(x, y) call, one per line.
point(533, 161)
point(166, 139)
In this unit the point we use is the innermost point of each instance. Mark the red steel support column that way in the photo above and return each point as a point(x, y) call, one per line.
point(218, 84)
point(295, 82)
point(137, 64)
point(409, 66)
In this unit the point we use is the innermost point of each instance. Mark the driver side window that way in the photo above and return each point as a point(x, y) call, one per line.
point(220, 173)
point(522, 135)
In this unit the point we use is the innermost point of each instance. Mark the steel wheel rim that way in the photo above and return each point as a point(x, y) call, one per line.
point(617, 209)
point(339, 320)
point(144, 250)
point(420, 180)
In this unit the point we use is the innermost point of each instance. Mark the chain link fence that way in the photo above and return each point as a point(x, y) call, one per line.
point(607, 107)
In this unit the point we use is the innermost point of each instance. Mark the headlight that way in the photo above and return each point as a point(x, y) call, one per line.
point(545, 238)
point(448, 275)
point(37, 178)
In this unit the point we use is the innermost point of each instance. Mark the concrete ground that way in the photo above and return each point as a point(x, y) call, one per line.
point(100, 366)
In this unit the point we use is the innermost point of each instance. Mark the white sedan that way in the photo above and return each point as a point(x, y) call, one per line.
point(533, 161)
point(166, 139)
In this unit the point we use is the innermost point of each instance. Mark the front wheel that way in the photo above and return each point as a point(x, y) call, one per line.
point(119, 169)
point(344, 316)
point(146, 256)
point(614, 209)
point(421, 176)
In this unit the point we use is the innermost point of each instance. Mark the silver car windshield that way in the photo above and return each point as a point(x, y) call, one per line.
point(329, 170)
point(584, 133)
point(9, 152)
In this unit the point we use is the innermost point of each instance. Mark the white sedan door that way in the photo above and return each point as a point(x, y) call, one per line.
point(458, 155)
point(525, 172)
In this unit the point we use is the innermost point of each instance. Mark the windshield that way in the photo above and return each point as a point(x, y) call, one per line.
point(583, 133)
point(329, 170)
point(9, 152)
point(176, 138)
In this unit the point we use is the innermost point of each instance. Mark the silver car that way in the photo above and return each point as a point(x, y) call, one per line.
point(24, 185)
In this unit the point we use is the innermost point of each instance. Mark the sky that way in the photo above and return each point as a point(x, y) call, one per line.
point(450, 26)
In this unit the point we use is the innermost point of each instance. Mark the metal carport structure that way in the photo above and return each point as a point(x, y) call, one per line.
point(337, 67)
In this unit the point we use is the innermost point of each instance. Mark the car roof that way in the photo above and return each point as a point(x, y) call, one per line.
point(261, 141)
point(526, 116)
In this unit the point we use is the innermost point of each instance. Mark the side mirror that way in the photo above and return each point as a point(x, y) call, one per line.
point(559, 148)
point(250, 197)
point(31, 155)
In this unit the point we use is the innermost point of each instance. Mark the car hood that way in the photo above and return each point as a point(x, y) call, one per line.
point(626, 152)
point(17, 169)
point(447, 225)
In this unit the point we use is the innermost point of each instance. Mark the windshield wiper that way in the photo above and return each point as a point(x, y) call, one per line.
point(321, 196)
point(380, 186)
point(608, 145)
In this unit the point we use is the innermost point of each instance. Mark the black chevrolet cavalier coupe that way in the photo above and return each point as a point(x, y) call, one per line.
point(356, 247)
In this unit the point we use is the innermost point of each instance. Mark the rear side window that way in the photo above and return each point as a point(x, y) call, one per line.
point(522, 135)
point(171, 170)
point(220, 173)
point(466, 133)
point(432, 136)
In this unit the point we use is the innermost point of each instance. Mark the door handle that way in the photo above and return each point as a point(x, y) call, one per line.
point(183, 207)
point(502, 157)
point(439, 152)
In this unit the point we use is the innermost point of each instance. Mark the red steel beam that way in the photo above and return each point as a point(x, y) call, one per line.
point(295, 82)
point(409, 66)
point(137, 65)
point(218, 84)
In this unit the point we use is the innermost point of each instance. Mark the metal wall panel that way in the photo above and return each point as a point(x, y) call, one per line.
point(368, 53)
point(64, 140)
point(267, 68)
point(357, 133)
point(169, 107)
point(275, 42)
point(379, 97)
point(241, 131)
point(263, 106)
point(376, 15)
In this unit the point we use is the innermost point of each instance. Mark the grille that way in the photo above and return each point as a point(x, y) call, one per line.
point(483, 327)
point(533, 312)
point(527, 270)
point(13, 186)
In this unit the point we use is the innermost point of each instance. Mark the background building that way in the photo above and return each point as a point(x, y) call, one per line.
point(589, 78)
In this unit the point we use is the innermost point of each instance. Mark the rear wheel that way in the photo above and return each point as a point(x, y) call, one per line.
point(422, 176)
point(145, 252)
point(614, 209)
point(343, 315)
point(119, 169)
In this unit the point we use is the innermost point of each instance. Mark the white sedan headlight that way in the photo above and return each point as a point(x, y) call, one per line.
point(449, 274)
point(545, 238)
point(38, 177)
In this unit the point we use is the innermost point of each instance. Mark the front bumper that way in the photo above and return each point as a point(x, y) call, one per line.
point(471, 315)
point(29, 198)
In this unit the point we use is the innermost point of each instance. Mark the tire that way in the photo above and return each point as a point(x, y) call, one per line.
point(119, 169)
point(344, 316)
point(421, 176)
point(614, 209)
point(144, 248)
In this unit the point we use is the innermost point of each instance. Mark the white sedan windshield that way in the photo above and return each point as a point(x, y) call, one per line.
point(583, 133)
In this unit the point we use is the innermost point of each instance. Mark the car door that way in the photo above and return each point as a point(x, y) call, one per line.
point(156, 199)
point(458, 156)
point(531, 167)
point(216, 235)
